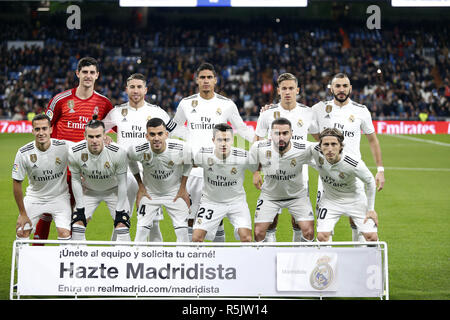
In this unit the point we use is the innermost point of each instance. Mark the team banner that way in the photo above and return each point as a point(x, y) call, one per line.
point(215, 271)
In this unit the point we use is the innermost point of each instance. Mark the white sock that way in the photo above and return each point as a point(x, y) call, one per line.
point(114, 235)
point(271, 235)
point(236, 234)
point(123, 234)
point(142, 234)
point(182, 234)
point(78, 232)
point(220, 234)
point(297, 234)
point(155, 233)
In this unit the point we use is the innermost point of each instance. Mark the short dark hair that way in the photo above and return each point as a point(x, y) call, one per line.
point(222, 127)
point(156, 122)
point(94, 123)
point(339, 75)
point(206, 66)
point(86, 62)
point(41, 116)
point(332, 132)
point(281, 121)
point(286, 76)
point(137, 76)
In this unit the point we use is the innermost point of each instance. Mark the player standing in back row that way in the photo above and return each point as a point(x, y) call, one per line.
point(351, 118)
point(69, 112)
point(131, 118)
point(202, 111)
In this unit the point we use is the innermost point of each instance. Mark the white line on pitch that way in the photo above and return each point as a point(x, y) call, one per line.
point(414, 169)
point(421, 140)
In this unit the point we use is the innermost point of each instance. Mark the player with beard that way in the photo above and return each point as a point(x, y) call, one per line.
point(351, 118)
point(281, 162)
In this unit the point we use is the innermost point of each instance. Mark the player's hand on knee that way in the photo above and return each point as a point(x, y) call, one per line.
point(183, 194)
point(22, 220)
point(142, 192)
point(257, 180)
point(372, 215)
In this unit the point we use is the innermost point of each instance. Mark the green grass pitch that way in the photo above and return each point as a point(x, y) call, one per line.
point(413, 211)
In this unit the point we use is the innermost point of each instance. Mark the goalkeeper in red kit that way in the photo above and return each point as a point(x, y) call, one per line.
point(69, 112)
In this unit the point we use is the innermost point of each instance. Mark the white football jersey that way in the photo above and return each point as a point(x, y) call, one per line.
point(162, 172)
point(224, 178)
point(98, 171)
point(301, 118)
point(339, 179)
point(283, 177)
point(351, 119)
point(46, 170)
point(202, 115)
point(132, 123)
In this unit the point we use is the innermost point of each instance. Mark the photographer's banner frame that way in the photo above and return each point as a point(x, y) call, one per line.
point(208, 270)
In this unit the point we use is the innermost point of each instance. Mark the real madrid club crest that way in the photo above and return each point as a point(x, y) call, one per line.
point(322, 275)
point(124, 113)
point(351, 118)
point(194, 103)
point(210, 161)
point(293, 163)
point(147, 156)
point(170, 164)
point(219, 111)
point(341, 175)
point(321, 161)
point(300, 123)
point(107, 165)
point(268, 154)
point(233, 171)
point(328, 108)
point(33, 158)
point(57, 161)
point(199, 221)
point(71, 106)
point(149, 117)
point(84, 157)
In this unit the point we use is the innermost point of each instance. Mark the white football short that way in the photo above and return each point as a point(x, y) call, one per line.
point(59, 207)
point(210, 214)
point(148, 209)
point(92, 200)
point(299, 208)
point(132, 189)
point(329, 212)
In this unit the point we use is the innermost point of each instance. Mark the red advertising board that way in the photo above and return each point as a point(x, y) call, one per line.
point(381, 127)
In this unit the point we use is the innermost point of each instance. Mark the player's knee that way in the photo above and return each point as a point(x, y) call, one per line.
point(63, 233)
point(308, 233)
point(247, 237)
point(197, 238)
point(20, 233)
point(372, 236)
point(260, 233)
point(323, 236)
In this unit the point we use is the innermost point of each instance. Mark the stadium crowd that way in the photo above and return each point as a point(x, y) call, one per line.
point(396, 72)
